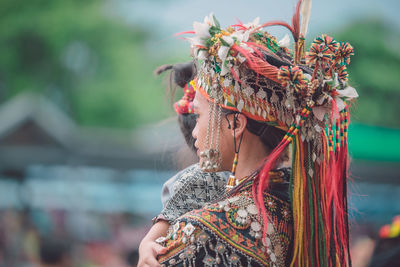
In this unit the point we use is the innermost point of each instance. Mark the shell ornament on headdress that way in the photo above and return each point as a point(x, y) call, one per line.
point(245, 69)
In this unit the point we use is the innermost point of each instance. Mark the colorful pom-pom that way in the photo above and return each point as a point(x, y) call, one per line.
point(318, 53)
point(384, 231)
point(342, 74)
point(391, 231)
point(185, 104)
point(331, 43)
point(293, 77)
point(343, 53)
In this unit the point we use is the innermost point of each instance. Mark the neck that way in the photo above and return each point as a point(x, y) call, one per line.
point(251, 155)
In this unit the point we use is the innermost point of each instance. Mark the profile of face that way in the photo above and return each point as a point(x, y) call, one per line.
point(201, 108)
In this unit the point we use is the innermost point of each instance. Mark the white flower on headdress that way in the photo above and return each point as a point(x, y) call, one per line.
point(201, 30)
point(239, 36)
point(254, 24)
point(222, 54)
point(195, 41)
point(210, 20)
point(229, 39)
point(202, 34)
point(202, 55)
point(346, 94)
point(285, 41)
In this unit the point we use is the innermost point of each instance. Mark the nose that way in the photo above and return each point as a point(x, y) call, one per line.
point(195, 131)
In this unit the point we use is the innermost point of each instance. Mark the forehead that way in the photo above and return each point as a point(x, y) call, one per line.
point(200, 102)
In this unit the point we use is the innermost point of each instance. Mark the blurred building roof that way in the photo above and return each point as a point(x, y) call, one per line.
point(35, 131)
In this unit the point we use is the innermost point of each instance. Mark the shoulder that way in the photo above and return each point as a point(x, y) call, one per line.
point(203, 186)
point(191, 190)
point(169, 186)
point(195, 171)
point(233, 227)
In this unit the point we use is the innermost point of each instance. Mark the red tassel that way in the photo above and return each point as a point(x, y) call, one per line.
point(186, 32)
point(263, 181)
point(240, 25)
point(235, 75)
point(258, 65)
point(296, 22)
point(276, 23)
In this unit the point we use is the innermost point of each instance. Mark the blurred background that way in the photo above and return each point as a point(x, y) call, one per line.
point(88, 136)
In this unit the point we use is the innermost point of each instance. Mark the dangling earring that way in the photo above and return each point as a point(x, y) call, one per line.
point(212, 156)
point(233, 181)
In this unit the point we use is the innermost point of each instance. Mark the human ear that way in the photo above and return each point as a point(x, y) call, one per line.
point(238, 124)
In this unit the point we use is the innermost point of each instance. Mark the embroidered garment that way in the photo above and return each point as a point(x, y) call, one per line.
point(190, 189)
point(229, 232)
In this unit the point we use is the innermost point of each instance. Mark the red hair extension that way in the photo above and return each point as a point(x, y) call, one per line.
point(265, 69)
point(258, 65)
point(325, 186)
point(336, 168)
point(314, 72)
point(244, 52)
point(294, 29)
point(186, 32)
point(345, 204)
point(296, 22)
point(334, 110)
point(201, 47)
point(337, 200)
point(240, 25)
point(276, 23)
point(256, 51)
point(253, 45)
point(263, 179)
point(342, 168)
point(315, 207)
point(234, 74)
point(306, 212)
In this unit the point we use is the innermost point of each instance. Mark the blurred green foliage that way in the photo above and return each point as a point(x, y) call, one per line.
point(97, 68)
point(81, 56)
point(375, 71)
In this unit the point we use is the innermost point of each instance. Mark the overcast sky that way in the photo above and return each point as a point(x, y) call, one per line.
point(169, 17)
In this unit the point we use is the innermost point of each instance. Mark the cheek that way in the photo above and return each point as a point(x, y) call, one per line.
point(226, 147)
point(200, 132)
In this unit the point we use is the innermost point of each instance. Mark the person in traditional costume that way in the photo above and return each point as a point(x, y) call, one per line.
point(259, 105)
point(387, 250)
point(190, 188)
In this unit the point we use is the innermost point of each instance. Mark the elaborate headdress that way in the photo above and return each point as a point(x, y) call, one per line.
point(245, 69)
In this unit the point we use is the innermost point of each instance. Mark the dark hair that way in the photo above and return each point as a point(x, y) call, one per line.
point(132, 257)
point(180, 75)
point(53, 251)
point(270, 136)
point(187, 122)
point(386, 252)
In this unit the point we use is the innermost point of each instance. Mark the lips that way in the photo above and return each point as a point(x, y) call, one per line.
point(197, 149)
